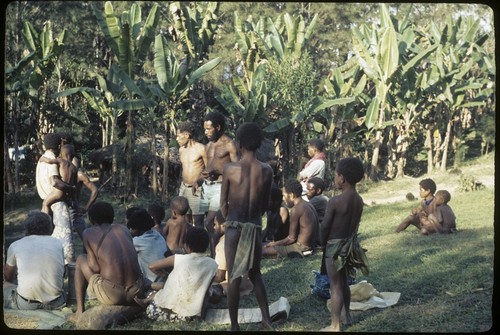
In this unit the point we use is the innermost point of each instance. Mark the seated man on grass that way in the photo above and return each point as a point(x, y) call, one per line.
point(36, 263)
point(301, 239)
point(110, 268)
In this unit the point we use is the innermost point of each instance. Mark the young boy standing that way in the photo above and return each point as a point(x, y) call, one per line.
point(339, 234)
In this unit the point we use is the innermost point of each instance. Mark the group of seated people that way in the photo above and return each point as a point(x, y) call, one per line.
point(165, 268)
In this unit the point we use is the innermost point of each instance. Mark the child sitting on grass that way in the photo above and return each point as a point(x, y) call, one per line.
point(442, 220)
point(419, 216)
point(177, 226)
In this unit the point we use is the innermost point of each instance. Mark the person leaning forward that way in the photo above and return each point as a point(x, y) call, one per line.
point(110, 269)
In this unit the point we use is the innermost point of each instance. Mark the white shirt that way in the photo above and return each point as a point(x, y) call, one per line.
point(43, 173)
point(40, 267)
point(187, 284)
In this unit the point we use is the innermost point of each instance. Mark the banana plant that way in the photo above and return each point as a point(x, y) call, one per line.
point(460, 76)
point(129, 40)
point(194, 28)
point(376, 50)
point(26, 83)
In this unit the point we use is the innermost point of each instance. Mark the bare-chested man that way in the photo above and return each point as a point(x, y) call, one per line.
point(246, 187)
point(110, 268)
point(303, 224)
point(194, 160)
point(220, 150)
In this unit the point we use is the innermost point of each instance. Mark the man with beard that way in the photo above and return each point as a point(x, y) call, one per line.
point(220, 150)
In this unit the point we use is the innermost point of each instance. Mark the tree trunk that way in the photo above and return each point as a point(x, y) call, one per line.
point(428, 147)
point(154, 182)
point(164, 188)
point(445, 145)
point(130, 155)
point(114, 160)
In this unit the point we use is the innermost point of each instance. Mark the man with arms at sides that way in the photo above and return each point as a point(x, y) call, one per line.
point(315, 196)
point(36, 263)
point(110, 268)
point(303, 222)
point(339, 234)
point(194, 160)
point(246, 186)
point(220, 150)
point(48, 178)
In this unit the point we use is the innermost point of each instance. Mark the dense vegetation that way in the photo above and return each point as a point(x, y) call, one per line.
point(408, 88)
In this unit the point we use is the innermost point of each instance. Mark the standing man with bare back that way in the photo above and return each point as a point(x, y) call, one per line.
point(220, 150)
point(194, 160)
point(246, 187)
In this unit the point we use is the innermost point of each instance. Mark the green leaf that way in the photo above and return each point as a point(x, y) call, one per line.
point(372, 113)
point(277, 125)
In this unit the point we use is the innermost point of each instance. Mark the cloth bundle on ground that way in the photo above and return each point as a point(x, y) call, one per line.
point(364, 296)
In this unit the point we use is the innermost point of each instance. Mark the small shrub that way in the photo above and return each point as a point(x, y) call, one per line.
point(468, 183)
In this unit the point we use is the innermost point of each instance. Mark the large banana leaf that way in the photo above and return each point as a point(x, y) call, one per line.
point(372, 113)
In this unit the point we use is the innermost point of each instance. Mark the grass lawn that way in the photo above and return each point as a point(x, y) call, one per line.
point(445, 281)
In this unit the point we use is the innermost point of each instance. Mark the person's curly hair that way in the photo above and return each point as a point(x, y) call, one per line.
point(249, 135)
point(38, 223)
point(294, 187)
point(101, 212)
point(140, 220)
point(197, 239)
point(444, 195)
point(428, 184)
point(318, 183)
point(157, 212)
point(352, 169)
point(52, 141)
point(187, 127)
point(217, 119)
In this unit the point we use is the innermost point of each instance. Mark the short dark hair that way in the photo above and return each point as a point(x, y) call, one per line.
point(294, 187)
point(130, 211)
point(140, 220)
point(66, 137)
point(69, 148)
point(101, 212)
point(318, 183)
point(428, 184)
point(249, 135)
point(217, 119)
point(352, 169)
point(443, 194)
point(197, 239)
point(317, 143)
point(157, 212)
point(180, 204)
point(38, 223)
point(187, 127)
point(52, 141)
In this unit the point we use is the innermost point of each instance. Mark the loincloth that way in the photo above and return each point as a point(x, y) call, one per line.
point(347, 253)
point(245, 252)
